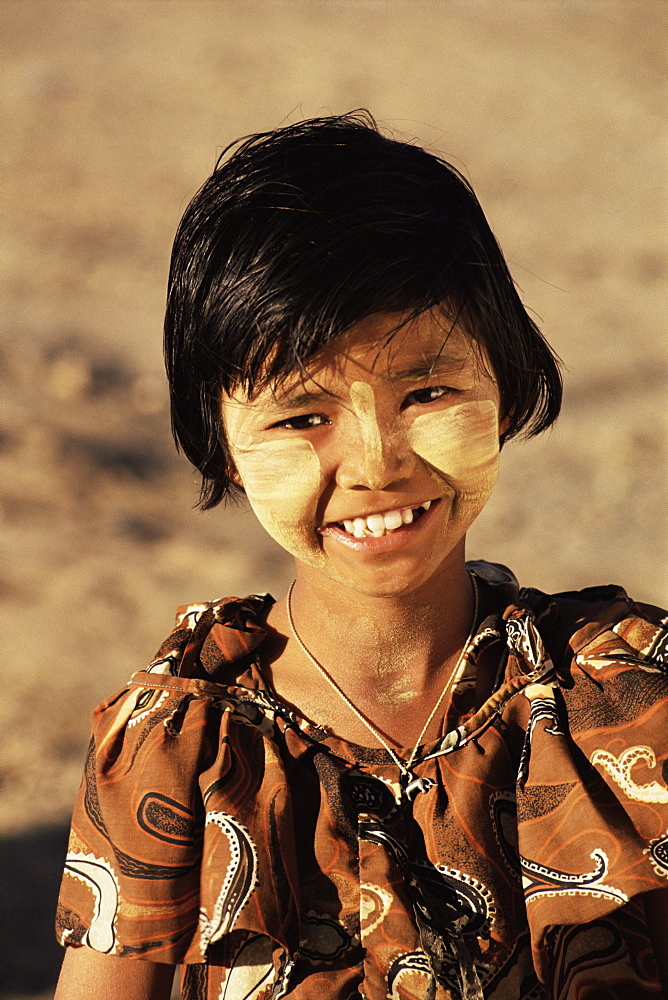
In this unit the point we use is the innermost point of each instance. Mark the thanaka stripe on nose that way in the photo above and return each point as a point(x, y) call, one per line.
point(364, 404)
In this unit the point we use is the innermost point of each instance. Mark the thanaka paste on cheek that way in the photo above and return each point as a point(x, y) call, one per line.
point(282, 483)
point(461, 444)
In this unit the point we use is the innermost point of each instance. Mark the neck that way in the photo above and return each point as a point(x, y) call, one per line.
point(392, 650)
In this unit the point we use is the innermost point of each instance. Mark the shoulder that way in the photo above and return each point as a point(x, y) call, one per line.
point(209, 637)
point(613, 674)
point(600, 708)
point(178, 748)
point(601, 628)
point(609, 660)
point(604, 655)
point(592, 781)
point(596, 625)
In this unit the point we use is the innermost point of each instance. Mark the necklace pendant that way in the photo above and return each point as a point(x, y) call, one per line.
point(415, 786)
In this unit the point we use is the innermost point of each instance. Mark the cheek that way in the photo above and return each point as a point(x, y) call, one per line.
point(282, 483)
point(461, 444)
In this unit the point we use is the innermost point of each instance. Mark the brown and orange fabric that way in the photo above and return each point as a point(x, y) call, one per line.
point(217, 829)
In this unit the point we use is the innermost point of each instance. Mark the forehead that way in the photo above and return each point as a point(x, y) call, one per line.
point(387, 343)
point(383, 348)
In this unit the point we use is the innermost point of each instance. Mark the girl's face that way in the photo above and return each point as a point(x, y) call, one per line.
point(371, 469)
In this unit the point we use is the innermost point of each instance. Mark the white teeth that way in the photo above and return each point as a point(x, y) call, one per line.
point(392, 520)
point(377, 525)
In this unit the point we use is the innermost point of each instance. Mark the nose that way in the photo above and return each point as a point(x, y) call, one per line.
point(377, 453)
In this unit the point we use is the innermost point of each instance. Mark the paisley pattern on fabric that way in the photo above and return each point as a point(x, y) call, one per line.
point(438, 890)
point(411, 974)
point(218, 829)
point(620, 768)
point(250, 971)
point(371, 794)
point(542, 710)
point(658, 854)
point(165, 818)
point(324, 939)
point(657, 652)
point(98, 875)
point(375, 904)
point(233, 854)
point(538, 880)
point(149, 701)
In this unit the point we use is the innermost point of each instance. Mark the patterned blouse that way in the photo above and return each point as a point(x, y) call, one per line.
point(217, 829)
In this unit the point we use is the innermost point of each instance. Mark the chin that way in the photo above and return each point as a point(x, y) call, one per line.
point(394, 582)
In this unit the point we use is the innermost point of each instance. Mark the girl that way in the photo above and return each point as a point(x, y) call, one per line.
point(407, 778)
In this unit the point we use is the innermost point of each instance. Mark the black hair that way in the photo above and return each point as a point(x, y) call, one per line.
point(302, 232)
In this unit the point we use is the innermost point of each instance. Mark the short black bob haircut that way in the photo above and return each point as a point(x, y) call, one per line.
point(304, 231)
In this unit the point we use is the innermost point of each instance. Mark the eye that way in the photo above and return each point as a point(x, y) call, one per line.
point(303, 422)
point(428, 395)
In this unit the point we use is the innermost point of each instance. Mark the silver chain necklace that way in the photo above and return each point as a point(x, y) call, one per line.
point(411, 784)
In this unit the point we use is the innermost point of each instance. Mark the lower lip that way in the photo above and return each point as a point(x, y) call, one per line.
point(392, 540)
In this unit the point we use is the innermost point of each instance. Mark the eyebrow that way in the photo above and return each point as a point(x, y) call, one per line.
point(438, 365)
point(305, 397)
point(441, 364)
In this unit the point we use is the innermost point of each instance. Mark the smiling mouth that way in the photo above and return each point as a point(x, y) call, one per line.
point(377, 525)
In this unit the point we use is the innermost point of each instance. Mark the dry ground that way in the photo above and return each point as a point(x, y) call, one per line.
point(113, 113)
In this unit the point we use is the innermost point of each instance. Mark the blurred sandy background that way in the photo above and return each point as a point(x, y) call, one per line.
point(114, 113)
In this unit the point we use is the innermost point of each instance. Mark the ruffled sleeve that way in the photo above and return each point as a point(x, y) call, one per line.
point(593, 784)
point(182, 828)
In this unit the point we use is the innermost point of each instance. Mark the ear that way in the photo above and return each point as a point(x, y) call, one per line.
point(231, 471)
point(234, 476)
point(504, 425)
